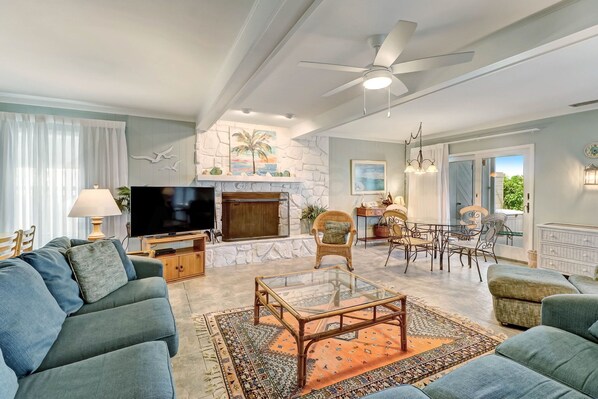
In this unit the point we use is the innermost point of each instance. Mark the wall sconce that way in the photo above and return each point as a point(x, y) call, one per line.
point(590, 175)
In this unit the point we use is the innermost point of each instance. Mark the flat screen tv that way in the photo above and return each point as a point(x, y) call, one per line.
point(171, 210)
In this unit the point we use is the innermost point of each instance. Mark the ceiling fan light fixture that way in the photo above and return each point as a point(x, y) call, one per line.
point(377, 79)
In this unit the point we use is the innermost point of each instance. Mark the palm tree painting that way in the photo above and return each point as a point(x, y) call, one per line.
point(253, 152)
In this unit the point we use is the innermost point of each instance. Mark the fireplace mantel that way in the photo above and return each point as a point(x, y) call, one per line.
point(263, 179)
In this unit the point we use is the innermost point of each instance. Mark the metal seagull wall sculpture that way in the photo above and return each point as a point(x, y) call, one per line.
point(174, 167)
point(158, 156)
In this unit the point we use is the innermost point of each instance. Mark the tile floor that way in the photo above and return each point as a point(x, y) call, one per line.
point(229, 287)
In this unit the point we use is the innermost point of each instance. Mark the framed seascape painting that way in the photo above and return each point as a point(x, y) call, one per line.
point(368, 177)
point(253, 153)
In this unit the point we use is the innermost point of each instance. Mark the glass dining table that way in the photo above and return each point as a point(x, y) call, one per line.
point(439, 231)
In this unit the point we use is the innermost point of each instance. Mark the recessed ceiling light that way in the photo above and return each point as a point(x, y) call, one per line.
point(289, 116)
point(246, 111)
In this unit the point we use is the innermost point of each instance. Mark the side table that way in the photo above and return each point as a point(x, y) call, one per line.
point(366, 213)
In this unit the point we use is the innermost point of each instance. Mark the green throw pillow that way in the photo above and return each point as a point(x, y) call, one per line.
point(594, 329)
point(336, 232)
point(97, 268)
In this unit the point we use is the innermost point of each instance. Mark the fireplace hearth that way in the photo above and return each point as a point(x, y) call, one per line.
point(254, 215)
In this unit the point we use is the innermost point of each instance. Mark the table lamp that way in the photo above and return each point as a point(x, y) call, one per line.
point(95, 203)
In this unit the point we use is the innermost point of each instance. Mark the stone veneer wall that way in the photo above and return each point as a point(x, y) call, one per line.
point(258, 251)
point(307, 159)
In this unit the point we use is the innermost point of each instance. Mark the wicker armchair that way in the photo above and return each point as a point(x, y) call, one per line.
point(322, 248)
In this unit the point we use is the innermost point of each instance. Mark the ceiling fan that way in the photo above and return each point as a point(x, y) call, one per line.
point(380, 73)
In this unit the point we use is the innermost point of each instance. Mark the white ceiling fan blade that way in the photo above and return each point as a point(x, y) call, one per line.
point(397, 87)
point(432, 62)
point(331, 67)
point(343, 87)
point(394, 43)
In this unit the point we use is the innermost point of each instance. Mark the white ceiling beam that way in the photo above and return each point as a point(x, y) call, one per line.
point(267, 28)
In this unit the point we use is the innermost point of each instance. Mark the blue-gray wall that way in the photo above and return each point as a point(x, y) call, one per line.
point(559, 193)
point(342, 151)
point(147, 135)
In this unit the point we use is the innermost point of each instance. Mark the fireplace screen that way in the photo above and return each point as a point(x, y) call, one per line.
point(252, 215)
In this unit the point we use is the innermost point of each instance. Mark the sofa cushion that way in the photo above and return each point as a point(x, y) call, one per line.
point(335, 232)
point(30, 319)
point(8, 380)
point(402, 392)
point(560, 355)
point(594, 329)
point(520, 282)
point(62, 244)
point(97, 268)
point(139, 371)
point(585, 284)
point(107, 330)
point(572, 313)
point(127, 264)
point(498, 377)
point(51, 264)
point(133, 291)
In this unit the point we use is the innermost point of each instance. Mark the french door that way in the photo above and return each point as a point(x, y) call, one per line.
point(502, 181)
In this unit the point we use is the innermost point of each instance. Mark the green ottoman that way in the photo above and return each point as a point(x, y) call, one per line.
point(517, 292)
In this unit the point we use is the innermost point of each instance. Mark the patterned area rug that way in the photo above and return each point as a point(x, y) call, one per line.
point(260, 361)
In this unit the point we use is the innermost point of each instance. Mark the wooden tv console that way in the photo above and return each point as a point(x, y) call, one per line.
point(184, 262)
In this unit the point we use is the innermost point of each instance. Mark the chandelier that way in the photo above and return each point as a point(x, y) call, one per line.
point(417, 165)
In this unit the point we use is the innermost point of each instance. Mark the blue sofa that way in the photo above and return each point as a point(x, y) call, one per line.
point(558, 359)
point(54, 346)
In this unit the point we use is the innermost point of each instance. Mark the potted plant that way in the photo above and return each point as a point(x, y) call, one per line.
point(381, 229)
point(123, 198)
point(310, 213)
point(123, 201)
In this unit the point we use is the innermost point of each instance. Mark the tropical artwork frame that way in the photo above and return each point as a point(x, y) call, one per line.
point(253, 153)
point(368, 177)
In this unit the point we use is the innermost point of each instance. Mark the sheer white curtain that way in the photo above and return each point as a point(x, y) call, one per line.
point(45, 161)
point(428, 193)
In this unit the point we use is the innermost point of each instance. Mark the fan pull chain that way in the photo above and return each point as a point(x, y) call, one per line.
point(388, 112)
point(364, 110)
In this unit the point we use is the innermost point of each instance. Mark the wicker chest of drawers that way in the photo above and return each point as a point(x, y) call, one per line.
point(568, 248)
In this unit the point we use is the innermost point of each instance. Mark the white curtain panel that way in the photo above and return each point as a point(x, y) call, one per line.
point(45, 161)
point(428, 193)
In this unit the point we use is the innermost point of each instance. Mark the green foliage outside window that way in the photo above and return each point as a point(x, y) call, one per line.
point(513, 192)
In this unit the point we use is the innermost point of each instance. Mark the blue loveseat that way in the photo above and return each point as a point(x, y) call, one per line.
point(558, 359)
point(53, 345)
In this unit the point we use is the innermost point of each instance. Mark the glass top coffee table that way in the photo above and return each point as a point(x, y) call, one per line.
point(306, 302)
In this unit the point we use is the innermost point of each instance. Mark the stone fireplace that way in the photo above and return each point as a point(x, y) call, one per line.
point(254, 215)
point(307, 162)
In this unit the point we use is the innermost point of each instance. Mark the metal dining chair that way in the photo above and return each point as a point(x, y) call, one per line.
point(412, 242)
point(471, 216)
point(478, 242)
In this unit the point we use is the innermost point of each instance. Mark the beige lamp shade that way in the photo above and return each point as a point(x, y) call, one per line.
point(95, 203)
